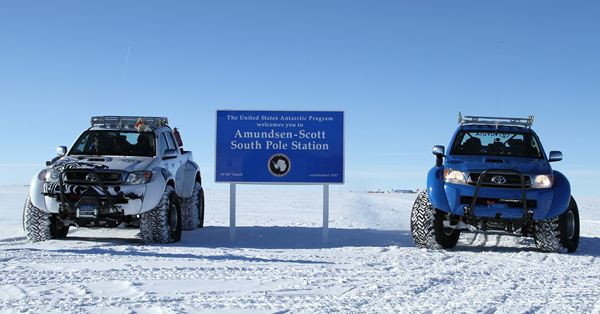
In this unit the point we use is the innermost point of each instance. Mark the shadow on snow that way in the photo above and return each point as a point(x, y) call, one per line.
point(280, 237)
point(285, 237)
point(271, 237)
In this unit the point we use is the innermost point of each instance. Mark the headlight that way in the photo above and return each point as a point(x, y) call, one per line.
point(454, 176)
point(52, 175)
point(139, 177)
point(543, 181)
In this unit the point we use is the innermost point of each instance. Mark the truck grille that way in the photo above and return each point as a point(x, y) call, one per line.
point(87, 177)
point(510, 180)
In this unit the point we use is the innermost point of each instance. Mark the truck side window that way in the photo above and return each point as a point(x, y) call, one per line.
point(170, 140)
point(162, 143)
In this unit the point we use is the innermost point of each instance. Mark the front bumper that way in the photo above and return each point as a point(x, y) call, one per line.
point(108, 200)
point(498, 202)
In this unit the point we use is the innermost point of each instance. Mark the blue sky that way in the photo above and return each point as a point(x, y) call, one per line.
point(400, 70)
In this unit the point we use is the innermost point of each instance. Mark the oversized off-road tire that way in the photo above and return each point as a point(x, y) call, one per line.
point(40, 225)
point(427, 226)
point(163, 223)
point(559, 234)
point(194, 209)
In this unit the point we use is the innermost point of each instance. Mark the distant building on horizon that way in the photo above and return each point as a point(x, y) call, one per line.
point(405, 191)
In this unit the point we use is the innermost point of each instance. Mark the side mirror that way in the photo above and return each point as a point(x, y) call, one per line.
point(438, 151)
point(170, 154)
point(61, 150)
point(555, 156)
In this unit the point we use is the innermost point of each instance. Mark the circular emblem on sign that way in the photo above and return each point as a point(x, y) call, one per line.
point(499, 179)
point(279, 165)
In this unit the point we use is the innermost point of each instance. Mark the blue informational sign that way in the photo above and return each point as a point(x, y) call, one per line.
point(280, 146)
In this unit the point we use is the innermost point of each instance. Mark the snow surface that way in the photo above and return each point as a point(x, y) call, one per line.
point(279, 265)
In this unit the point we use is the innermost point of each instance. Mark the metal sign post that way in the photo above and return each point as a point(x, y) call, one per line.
point(232, 212)
point(325, 214)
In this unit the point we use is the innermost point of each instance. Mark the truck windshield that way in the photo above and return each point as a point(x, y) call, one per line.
point(115, 143)
point(496, 143)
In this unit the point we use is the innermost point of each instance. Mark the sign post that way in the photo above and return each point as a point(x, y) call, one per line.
point(232, 212)
point(325, 213)
point(279, 147)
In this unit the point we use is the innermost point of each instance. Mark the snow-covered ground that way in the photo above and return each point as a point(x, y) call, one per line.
point(279, 265)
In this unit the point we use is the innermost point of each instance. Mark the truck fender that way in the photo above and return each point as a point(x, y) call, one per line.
point(155, 189)
point(36, 190)
point(187, 173)
point(435, 188)
point(562, 195)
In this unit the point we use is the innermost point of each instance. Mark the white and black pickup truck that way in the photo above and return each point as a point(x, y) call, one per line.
point(122, 171)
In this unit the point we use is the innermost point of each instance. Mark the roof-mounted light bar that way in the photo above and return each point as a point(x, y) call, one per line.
point(127, 122)
point(526, 122)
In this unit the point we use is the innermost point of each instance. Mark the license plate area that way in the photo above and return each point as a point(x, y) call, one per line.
point(498, 202)
point(88, 207)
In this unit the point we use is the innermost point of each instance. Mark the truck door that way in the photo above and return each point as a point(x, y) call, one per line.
point(176, 162)
point(170, 165)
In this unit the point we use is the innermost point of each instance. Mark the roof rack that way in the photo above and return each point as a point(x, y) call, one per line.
point(526, 122)
point(127, 122)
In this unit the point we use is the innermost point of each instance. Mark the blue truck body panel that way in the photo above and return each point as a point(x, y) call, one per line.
point(435, 188)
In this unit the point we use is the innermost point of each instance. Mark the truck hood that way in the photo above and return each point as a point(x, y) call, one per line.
point(122, 163)
point(480, 163)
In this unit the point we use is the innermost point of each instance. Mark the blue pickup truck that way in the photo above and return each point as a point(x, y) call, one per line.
point(496, 176)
